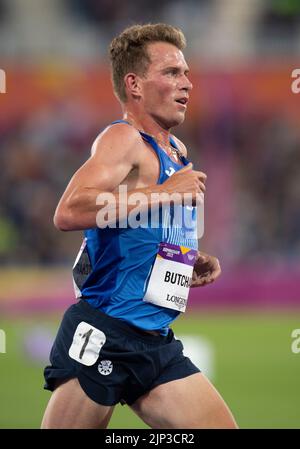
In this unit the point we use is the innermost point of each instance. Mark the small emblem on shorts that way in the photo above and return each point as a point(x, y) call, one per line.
point(105, 367)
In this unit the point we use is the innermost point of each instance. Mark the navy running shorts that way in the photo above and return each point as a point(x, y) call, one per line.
point(113, 361)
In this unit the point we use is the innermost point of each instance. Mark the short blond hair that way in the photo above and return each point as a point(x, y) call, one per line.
point(128, 51)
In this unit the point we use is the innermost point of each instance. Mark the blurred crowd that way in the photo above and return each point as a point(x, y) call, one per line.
point(251, 155)
point(260, 154)
point(252, 160)
point(214, 28)
point(38, 156)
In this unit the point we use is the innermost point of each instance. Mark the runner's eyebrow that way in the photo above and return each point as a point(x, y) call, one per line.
point(176, 69)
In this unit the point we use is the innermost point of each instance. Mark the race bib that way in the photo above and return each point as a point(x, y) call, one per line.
point(171, 277)
point(81, 269)
point(87, 343)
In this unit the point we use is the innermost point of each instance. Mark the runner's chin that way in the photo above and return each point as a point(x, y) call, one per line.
point(177, 118)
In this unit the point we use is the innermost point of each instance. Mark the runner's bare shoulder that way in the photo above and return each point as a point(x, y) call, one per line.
point(118, 140)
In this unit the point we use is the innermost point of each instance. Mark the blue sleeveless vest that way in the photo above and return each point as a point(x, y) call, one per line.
point(112, 270)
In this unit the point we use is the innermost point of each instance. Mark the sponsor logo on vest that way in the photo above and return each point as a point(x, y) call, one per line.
point(177, 278)
point(170, 172)
point(178, 300)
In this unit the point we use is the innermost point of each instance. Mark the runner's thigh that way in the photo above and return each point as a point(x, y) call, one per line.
point(70, 408)
point(191, 402)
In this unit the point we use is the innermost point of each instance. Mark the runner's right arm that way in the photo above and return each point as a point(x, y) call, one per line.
point(115, 153)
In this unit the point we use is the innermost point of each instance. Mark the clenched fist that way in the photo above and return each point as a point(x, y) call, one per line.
point(186, 180)
point(206, 270)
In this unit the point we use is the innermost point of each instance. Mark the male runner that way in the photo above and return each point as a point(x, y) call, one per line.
point(115, 344)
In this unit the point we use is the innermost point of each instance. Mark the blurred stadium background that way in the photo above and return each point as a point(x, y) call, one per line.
point(242, 129)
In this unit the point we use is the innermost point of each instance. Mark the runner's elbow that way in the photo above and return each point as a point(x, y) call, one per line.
point(63, 219)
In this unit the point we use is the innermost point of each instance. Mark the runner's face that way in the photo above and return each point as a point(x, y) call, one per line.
point(166, 87)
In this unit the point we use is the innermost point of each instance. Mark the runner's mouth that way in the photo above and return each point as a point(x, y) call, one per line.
point(183, 101)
